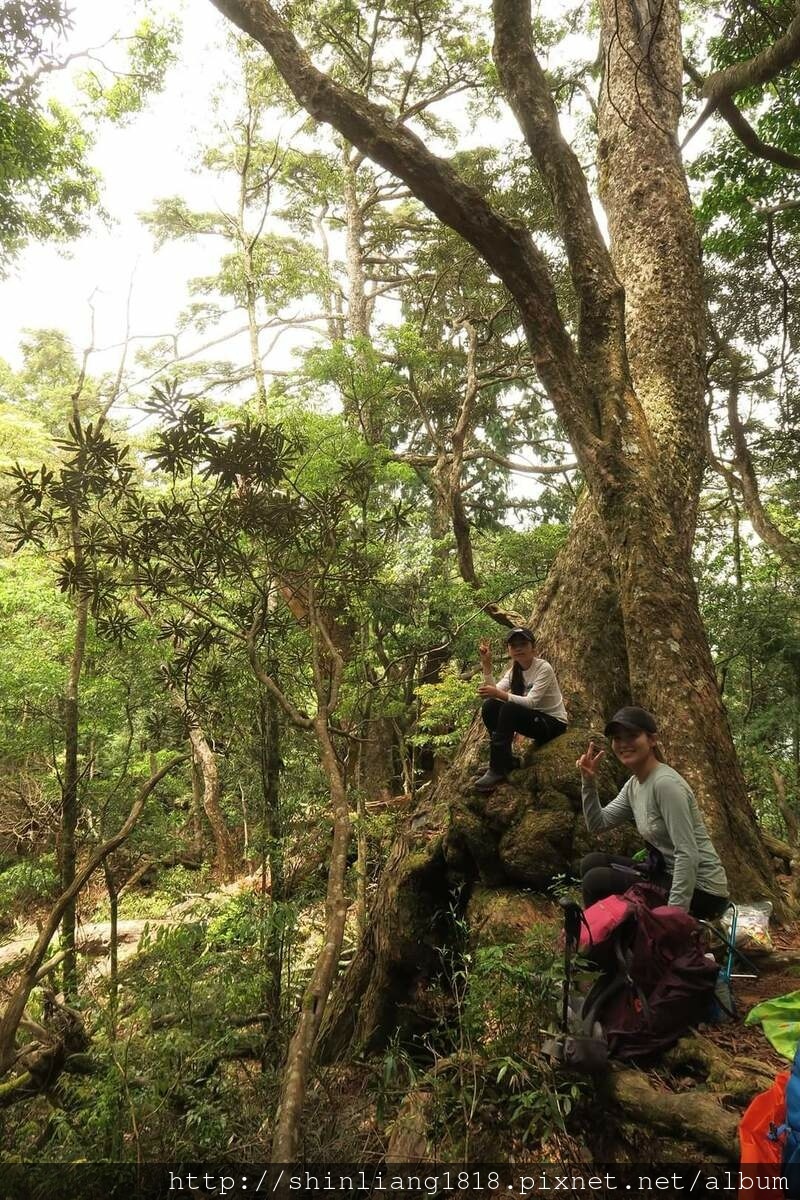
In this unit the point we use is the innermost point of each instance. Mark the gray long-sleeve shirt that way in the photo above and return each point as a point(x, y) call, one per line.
point(666, 814)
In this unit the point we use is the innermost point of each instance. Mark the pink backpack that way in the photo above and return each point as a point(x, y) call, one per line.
point(601, 919)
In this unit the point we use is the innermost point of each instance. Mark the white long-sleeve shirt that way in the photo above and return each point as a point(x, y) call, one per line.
point(541, 689)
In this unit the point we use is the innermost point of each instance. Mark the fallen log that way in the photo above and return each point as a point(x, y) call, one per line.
point(778, 847)
point(735, 1077)
point(693, 1115)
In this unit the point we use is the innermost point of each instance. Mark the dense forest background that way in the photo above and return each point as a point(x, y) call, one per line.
point(246, 568)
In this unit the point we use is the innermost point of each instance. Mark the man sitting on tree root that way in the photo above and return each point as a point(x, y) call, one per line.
point(526, 700)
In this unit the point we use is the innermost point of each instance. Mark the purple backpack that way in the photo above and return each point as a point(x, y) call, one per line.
point(655, 980)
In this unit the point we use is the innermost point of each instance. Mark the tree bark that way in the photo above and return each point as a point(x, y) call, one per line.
point(69, 787)
point(204, 760)
point(286, 1139)
point(655, 245)
point(578, 622)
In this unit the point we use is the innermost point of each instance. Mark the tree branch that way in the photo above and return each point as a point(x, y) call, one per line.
point(528, 93)
point(430, 460)
point(295, 716)
point(765, 527)
point(772, 210)
point(524, 468)
point(504, 244)
point(739, 124)
point(762, 67)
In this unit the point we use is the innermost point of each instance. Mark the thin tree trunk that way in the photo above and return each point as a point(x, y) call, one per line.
point(272, 867)
point(248, 242)
point(69, 787)
point(286, 1140)
point(332, 298)
point(357, 304)
point(207, 762)
point(113, 948)
point(197, 809)
point(361, 861)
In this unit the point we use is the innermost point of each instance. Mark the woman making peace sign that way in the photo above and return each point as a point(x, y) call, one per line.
point(663, 808)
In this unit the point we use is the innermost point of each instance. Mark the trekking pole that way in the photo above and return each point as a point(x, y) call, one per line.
point(572, 930)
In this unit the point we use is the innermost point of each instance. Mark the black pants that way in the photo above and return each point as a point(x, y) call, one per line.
point(611, 874)
point(504, 718)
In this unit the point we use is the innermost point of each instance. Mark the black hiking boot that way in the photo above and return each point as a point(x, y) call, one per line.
point(516, 763)
point(489, 781)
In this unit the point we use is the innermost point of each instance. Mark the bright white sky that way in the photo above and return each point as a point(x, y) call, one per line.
point(50, 286)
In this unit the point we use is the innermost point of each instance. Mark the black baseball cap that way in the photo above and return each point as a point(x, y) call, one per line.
point(527, 634)
point(631, 720)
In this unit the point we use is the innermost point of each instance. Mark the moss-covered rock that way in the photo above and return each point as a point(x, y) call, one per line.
point(527, 832)
point(537, 848)
point(473, 842)
point(530, 829)
point(499, 916)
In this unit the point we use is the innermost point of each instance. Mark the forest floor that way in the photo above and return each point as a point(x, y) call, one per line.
point(778, 974)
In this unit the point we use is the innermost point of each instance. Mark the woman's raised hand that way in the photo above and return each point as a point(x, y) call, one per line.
point(484, 650)
point(590, 760)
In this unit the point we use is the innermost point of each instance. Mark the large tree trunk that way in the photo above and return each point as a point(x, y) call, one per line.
point(672, 674)
point(579, 624)
point(655, 248)
point(655, 245)
point(645, 477)
point(590, 380)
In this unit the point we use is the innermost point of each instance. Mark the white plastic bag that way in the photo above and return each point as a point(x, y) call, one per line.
point(752, 925)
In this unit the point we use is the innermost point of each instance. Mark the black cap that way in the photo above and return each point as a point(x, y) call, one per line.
point(631, 720)
point(522, 633)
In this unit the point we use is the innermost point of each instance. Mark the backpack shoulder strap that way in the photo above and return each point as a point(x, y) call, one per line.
point(603, 990)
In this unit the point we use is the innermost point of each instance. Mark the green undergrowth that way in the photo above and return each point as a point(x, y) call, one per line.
point(189, 1064)
point(173, 886)
point(478, 1082)
point(26, 883)
point(187, 1058)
